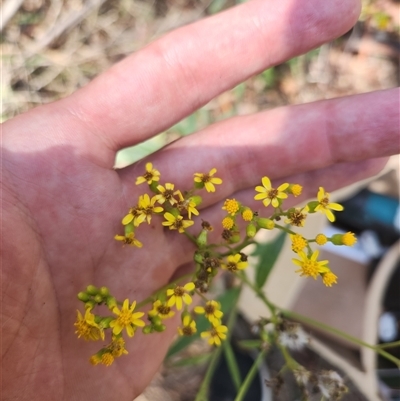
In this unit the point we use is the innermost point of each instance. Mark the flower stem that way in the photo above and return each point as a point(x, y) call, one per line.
point(250, 376)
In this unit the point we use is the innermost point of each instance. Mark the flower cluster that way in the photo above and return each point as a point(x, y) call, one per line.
point(177, 209)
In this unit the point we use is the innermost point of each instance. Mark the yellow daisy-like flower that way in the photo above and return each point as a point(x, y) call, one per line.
point(129, 239)
point(179, 295)
point(296, 217)
point(150, 175)
point(231, 206)
point(309, 266)
point(321, 239)
point(271, 195)
point(215, 335)
point(208, 180)
point(325, 207)
point(132, 214)
point(162, 310)
point(95, 359)
point(247, 215)
point(298, 242)
point(126, 319)
point(228, 223)
point(87, 328)
point(211, 310)
point(349, 239)
point(234, 263)
point(187, 205)
point(329, 278)
point(188, 327)
point(167, 194)
point(176, 222)
point(147, 208)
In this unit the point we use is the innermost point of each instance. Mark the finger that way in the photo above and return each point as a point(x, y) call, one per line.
point(282, 142)
point(156, 87)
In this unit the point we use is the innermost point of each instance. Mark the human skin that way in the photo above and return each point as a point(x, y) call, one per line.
point(62, 201)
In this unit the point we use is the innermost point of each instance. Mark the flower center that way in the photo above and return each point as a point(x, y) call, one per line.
point(232, 267)
point(187, 331)
point(168, 194)
point(205, 178)
point(272, 193)
point(163, 309)
point(179, 291)
point(324, 202)
point(124, 318)
point(210, 309)
point(148, 175)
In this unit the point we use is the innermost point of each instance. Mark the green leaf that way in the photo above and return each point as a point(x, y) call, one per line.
point(268, 254)
point(232, 365)
point(227, 300)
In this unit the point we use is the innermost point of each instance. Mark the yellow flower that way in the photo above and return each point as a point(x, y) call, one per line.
point(309, 266)
point(167, 194)
point(216, 334)
point(228, 223)
point(178, 295)
point(234, 263)
point(188, 327)
point(296, 217)
point(247, 215)
point(147, 208)
point(162, 310)
point(349, 239)
point(95, 359)
point(176, 223)
point(329, 278)
point(208, 180)
point(187, 205)
point(107, 359)
point(321, 239)
point(269, 194)
point(231, 206)
point(295, 189)
point(87, 328)
point(325, 207)
point(117, 347)
point(149, 176)
point(129, 239)
point(211, 310)
point(298, 242)
point(132, 214)
point(126, 319)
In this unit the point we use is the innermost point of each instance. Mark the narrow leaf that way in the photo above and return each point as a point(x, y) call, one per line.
point(268, 254)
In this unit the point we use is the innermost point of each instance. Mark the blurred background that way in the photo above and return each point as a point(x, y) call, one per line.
point(50, 48)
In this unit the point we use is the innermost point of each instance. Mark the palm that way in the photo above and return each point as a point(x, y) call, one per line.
point(63, 202)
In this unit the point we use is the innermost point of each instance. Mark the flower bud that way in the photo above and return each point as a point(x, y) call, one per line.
point(82, 296)
point(199, 185)
point(251, 230)
point(160, 328)
point(98, 299)
point(156, 320)
point(265, 223)
point(111, 303)
point(104, 292)
point(91, 290)
point(202, 239)
point(198, 257)
point(147, 329)
point(234, 239)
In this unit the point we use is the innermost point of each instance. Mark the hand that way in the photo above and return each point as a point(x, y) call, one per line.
point(63, 201)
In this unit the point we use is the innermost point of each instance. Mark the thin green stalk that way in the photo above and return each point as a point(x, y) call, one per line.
point(162, 289)
point(330, 329)
point(250, 376)
point(389, 345)
point(202, 394)
point(259, 292)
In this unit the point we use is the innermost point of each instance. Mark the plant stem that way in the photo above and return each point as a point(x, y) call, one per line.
point(202, 394)
point(250, 376)
point(330, 329)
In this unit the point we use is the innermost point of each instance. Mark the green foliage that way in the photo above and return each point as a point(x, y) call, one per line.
point(268, 254)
